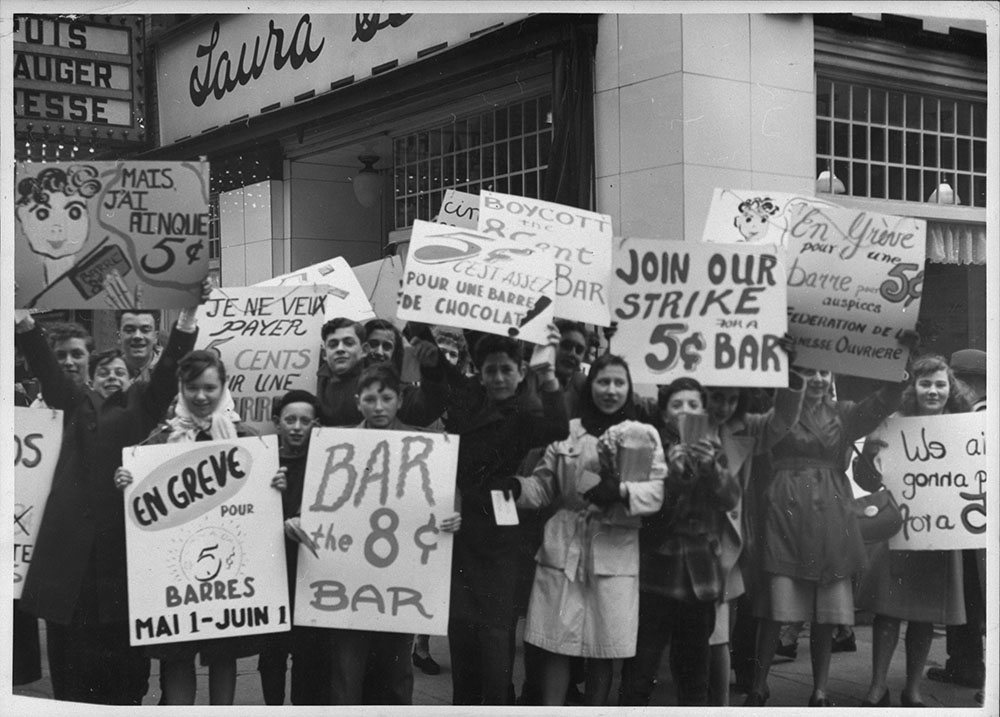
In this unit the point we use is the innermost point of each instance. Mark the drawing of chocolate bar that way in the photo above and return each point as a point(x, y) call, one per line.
point(88, 275)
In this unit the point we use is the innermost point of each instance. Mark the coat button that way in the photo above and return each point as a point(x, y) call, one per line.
point(734, 514)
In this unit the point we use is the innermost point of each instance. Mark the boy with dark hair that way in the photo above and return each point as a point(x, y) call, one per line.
point(294, 416)
point(344, 342)
point(139, 341)
point(383, 343)
point(498, 425)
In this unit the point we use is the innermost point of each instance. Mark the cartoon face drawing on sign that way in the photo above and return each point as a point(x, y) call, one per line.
point(754, 217)
point(211, 554)
point(52, 209)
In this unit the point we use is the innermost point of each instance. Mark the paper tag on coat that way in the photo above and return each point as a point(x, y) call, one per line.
point(504, 509)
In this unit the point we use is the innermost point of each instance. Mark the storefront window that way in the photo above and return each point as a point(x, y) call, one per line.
point(505, 150)
point(902, 145)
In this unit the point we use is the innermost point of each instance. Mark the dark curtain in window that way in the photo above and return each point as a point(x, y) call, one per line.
point(569, 178)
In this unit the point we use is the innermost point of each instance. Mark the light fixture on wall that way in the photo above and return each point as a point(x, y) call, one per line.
point(829, 183)
point(367, 182)
point(944, 194)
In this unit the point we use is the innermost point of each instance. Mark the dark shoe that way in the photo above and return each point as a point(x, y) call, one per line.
point(427, 665)
point(756, 699)
point(907, 702)
point(883, 702)
point(847, 644)
point(789, 651)
point(955, 677)
point(815, 701)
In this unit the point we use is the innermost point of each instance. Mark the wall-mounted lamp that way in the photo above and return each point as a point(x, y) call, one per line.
point(944, 194)
point(829, 183)
point(367, 183)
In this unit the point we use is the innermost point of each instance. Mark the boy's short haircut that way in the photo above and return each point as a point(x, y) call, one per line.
point(65, 330)
point(295, 396)
point(493, 344)
point(155, 313)
point(382, 374)
point(567, 325)
point(100, 358)
point(342, 322)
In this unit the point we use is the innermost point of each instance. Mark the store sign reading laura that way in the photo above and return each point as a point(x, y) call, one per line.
point(710, 311)
point(204, 541)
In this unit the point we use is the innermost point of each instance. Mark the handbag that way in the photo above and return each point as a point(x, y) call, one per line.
point(879, 517)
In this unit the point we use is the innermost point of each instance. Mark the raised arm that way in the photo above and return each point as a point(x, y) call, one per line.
point(58, 389)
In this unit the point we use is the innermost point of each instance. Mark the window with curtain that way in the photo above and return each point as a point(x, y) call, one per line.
point(505, 150)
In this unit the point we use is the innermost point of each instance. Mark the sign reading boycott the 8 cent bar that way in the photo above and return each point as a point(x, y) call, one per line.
point(710, 311)
point(268, 339)
point(373, 501)
point(37, 438)
point(99, 235)
point(579, 241)
point(937, 469)
point(205, 541)
point(457, 277)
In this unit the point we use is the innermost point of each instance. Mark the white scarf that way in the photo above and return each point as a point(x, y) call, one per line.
point(221, 425)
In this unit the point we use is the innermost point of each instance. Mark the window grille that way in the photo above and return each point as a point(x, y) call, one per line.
point(505, 150)
point(890, 143)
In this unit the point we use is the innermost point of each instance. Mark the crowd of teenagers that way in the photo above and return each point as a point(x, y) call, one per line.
point(741, 519)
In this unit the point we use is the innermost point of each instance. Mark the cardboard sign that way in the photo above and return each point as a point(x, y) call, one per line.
point(382, 281)
point(937, 468)
point(749, 216)
point(99, 235)
point(459, 209)
point(37, 438)
point(455, 277)
point(204, 541)
point(269, 340)
point(372, 500)
point(712, 312)
point(346, 297)
point(579, 241)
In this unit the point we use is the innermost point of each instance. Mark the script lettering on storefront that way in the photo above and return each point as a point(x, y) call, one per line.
point(367, 25)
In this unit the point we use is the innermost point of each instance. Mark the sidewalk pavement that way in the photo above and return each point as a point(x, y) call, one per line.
point(790, 680)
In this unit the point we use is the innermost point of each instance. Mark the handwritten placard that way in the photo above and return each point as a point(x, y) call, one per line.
point(709, 311)
point(269, 340)
point(748, 216)
point(345, 295)
point(37, 438)
point(456, 277)
point(99, 235)
point(204, 541)
point(373, 501)
point(578, 240)
point(937, 468)
point(459, 209)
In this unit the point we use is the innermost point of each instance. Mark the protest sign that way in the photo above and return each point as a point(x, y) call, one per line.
point(579, 241)
point(269, 341)
point(854, 284)
point(937, 468)
point(37, 438)
point(204, 541)
point(99, 235)
point(464, 279)
point(710, 311)
point(750, 216)
point(346, 297)
point(459, 209)
point(372, 501)
point(382, 281)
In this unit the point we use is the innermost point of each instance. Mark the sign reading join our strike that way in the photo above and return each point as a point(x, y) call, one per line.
point(269, 340)
point(204, 541)
point(456, 277)
point(372, 501)
point(100, 235)
point(579, 241)
point(712, 312)
point(459, 209)
point(37, 437)
point(854, 277)
point(937, 469)
point(345, 295)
